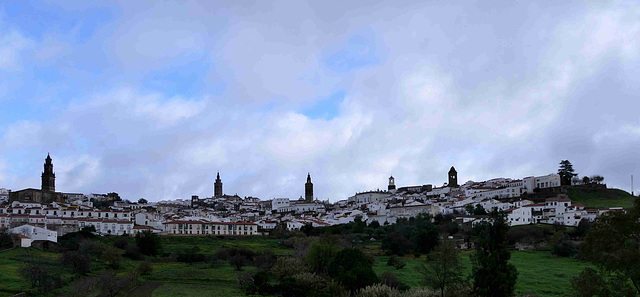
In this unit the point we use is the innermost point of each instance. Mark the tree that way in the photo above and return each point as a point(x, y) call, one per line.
point(479, 210)
point(566, 172)
point(142, 201)
point(6, 239)
point(114, 196)
point(112, 257)
point(80, 261)
point(613, 242)
point(320, 256)
point(598, 179)
point(442, 268)
point(492, 273)
point(358, 224)
point(149, 243)
point(352, 269)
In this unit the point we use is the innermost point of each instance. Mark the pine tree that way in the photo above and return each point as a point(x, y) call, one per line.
point(566, 172)
point(493, 275)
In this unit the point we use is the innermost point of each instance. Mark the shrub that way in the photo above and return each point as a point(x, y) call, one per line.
point(144, 268)
point(121, 243)
point(79, 261)
point(133, 252)
point(149, 243)
point(265, 260)
point(352, 269)
point(396, 262)
point(112, 257)
point(289, 266)
point(391, 280)
point(378, 290)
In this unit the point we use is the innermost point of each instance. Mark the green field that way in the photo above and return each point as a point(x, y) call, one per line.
point(538, 272)
point(601, 198)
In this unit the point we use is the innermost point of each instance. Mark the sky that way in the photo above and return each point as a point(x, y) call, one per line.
point(150, 99)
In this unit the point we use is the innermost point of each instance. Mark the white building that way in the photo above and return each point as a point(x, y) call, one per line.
point(28, 234)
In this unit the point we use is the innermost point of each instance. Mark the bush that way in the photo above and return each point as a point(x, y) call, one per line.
point(352, 269)
point(121, 243)
point(391, 280)
point(396, 262)
point(286, 267)
point(79, 261)
point(265, 260)
point(144, 268)
point(149, 243)
point(112, 257)
point(133, 252)
point(378, 290)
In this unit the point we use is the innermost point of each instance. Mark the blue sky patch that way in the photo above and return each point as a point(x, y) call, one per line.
point(325, 108)
point(359, 51)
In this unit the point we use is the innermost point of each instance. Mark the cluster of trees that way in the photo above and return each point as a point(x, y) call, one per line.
point(613, 245)
point(80, 251)
point(418, 235)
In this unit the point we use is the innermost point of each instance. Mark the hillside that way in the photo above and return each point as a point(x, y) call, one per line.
point(601, 198)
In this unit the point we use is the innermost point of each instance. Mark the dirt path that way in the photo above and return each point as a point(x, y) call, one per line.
point(144, 290)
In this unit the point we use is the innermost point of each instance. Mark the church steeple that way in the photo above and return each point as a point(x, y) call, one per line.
point(217, 187)
point(308, 189)
point(48, 176)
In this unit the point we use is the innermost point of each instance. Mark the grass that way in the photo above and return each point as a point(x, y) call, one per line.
point(601, 198)
point(178, 290)
point(538, 272)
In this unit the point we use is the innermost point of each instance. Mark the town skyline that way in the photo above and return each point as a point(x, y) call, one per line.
point(217, 191)
point(151, 101)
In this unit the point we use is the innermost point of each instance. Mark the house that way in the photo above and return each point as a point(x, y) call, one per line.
point(28, 234)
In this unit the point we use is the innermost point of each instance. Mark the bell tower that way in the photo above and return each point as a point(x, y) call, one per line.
point(48, 177)
point(308, 189)
point(217, 187)
point(453, 178)
point(392, 183)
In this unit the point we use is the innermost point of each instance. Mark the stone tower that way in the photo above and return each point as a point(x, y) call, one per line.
point(392, 183)
point(48, 177)
point(217, 187)
point(453, 178)
point(308, 189)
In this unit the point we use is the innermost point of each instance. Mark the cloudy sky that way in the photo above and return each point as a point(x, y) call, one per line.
point(150, 99)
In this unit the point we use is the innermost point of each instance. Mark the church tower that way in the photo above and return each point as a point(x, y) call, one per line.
point(453, 178)
point(308, 189)
point(48, 177)
point(392, 184)
point(217, 187)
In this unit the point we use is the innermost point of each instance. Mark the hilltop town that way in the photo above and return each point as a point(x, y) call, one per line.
point(41, 215)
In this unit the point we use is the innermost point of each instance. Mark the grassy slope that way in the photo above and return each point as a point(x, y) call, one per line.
point(538, 272)
point(601, 198)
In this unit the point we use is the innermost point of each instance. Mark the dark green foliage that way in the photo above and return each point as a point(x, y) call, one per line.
point(112, 257)
point(148, 243)
point(591, 283)
point(320, 255)
point(581, 230)
point(442, 270)
point(374, 225)
point(566, 172)
point(191, 255)
point(41, 277)
point(564, 248)
point(391, 280)
point(529, 234)
point(352, 269)
point(72, 240)
point(396, 262)
point(264, 260)
point(613, 244)
point(358, 224)
point(133, 252)
point(6, 239)
point(144, 268)
point(479, 210)
point(492, 273)
point(121, 243)
point(417, 234)
point(80, 261)
point(142, 201)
